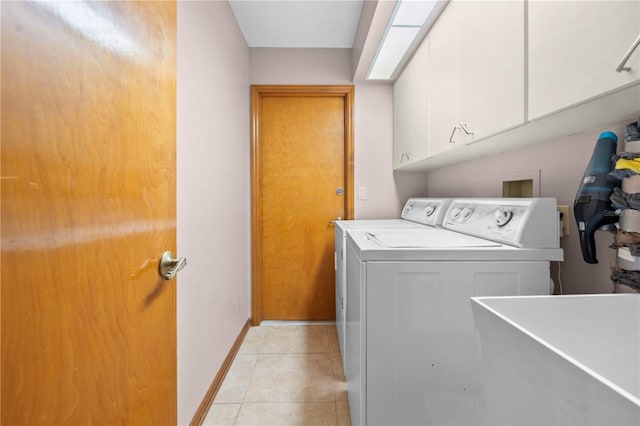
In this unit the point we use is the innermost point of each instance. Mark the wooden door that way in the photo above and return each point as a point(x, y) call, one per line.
point(88, 206)
point(302, 155)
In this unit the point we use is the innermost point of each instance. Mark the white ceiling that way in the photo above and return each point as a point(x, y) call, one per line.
point(298, 23)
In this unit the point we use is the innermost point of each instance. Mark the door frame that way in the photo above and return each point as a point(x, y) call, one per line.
point(257, 92)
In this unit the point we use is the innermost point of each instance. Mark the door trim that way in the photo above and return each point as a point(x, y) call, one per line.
point(257, 92)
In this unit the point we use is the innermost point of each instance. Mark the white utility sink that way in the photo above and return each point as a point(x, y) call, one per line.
point(558, 360)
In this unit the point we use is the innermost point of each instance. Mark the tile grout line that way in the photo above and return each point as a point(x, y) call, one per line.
point(235, 419)
point(253, 368)
point(326, 354)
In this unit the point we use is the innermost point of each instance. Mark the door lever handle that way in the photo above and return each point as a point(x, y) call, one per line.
point(332, 222)
point(168, 267)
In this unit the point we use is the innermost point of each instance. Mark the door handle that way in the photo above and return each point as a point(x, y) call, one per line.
point(168, 267)
point(332, 222)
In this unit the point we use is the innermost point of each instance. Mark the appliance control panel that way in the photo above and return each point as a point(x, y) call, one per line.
point(519, 222)
point(426, 211)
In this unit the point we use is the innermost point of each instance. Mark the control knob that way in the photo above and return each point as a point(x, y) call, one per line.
point(466, 213)
point(429, 210)
point(408, 208)
point(503, 216)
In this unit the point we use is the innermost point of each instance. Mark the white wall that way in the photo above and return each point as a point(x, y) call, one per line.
point(386, 191)
point(213, 194)
point(373, 122)
point(300, 66)
point(562, 163)
point(215, 69)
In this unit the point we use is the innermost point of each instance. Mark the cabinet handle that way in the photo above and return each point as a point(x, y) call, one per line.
point(462, 126)
point(621, 66)
point(453, 132)
point(406, 156)
point(465, 127)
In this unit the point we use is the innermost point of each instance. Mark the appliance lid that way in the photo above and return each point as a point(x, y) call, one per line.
point(430, 240)
point(439, 245)
point(377, 224)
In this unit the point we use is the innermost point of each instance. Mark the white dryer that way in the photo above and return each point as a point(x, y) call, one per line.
point(409, 345)
point(424, 213)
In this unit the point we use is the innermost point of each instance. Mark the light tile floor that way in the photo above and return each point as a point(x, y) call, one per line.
point(284, 375)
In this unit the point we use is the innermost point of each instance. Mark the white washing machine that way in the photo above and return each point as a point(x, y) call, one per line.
point(409, 345)
point(425, 213)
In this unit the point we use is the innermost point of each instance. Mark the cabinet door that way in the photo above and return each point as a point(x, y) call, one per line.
point(574, 49)
point(341, 279)
point(493, 82)
point(477, 71)
point(411, 110)
point(446, 62)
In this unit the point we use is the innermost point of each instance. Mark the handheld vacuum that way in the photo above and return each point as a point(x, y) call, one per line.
point(592, 207)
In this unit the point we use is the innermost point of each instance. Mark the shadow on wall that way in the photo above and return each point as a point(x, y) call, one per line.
point(410, 184)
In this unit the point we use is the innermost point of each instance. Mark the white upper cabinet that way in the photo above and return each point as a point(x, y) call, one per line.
point(465, 82)
point(446, 58)
point(411, 110)
point(574, 49)
point(499, 75)
point(477, 69)
point(493, 81)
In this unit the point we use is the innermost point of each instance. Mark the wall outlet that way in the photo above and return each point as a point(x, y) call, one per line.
point(565, 220)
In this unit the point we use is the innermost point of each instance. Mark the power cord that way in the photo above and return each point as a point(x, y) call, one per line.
point(560, 278)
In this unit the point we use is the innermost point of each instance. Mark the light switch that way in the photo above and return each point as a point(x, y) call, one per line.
point(362, 193)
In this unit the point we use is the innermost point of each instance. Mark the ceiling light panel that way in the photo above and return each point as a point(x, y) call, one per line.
point(407, 22)
point(413, 12)
point(394, 46)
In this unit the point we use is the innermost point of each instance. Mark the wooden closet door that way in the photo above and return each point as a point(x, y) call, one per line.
point(88, 206)
point(301, 184)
